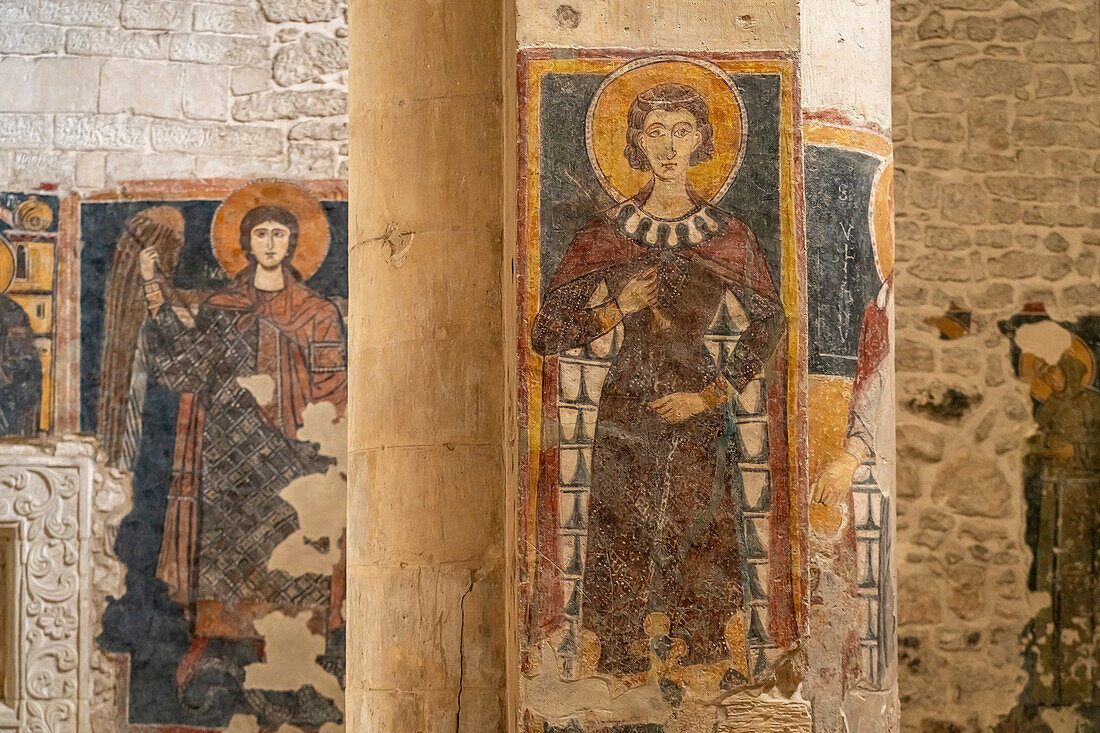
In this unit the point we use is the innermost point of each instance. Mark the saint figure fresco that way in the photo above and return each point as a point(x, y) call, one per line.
point(233, 355)
point(656, 355)
point(1062, 482)
point(222, 528)
point(662, 510)
point(28, 237)
point(20, 371)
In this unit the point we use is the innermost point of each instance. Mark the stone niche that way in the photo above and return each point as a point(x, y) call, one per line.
point(59, 510)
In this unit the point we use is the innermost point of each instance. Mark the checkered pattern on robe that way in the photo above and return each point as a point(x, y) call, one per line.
point(245, 461)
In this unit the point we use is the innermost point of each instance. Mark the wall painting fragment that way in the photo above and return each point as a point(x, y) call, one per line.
point(1058, 361)
point(850, 260)
point(28, 257)
point(213, 355)
point(661, 356)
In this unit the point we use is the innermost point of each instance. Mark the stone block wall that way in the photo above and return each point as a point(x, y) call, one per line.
point(100, 91)
point(996, 107)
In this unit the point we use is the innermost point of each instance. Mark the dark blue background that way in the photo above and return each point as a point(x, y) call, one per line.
point(840, 260)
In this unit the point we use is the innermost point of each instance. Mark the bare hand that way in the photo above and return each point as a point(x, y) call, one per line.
point(835, 481)
point(639, 293)
point(150, 263)
point(679, 406)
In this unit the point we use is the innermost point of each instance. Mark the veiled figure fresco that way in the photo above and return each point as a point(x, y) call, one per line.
point(238, 362)
point(656, 353)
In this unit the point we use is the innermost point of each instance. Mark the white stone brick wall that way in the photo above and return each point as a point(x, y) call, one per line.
point(95, 92)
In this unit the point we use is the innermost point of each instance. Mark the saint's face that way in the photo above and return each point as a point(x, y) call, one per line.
point(668, 140)
point(270, 243)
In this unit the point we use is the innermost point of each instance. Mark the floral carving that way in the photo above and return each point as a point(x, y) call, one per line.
point(60, 503)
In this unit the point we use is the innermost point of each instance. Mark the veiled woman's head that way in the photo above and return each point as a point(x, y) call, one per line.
point(668, 131)
point(269, 236)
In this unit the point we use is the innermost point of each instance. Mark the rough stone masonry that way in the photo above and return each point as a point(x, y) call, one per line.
point(996, 113)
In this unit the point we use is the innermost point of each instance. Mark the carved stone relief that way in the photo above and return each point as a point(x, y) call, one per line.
point(63, 508)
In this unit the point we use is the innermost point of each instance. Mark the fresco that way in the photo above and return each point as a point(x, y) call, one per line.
point(28, 254)
point(659, 359)
point(850, 259)
point(214, 371)
point(1057, 360)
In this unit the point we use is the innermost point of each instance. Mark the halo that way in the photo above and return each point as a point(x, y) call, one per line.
point(7, 264)
point(1040, 390)
point(606, 124)
point(881, 217)
point(313, 228)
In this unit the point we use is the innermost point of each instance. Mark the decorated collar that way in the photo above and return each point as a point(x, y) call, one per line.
point(699, 225)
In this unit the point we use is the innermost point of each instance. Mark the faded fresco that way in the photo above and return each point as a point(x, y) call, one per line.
point(850, 259)
point(1057, 360)
point(28, 255)
point(659, 317)
point(214, 372)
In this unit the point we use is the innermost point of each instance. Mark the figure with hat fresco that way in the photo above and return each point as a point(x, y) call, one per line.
point(663, 516)
point(237, 451)
point(20, 365)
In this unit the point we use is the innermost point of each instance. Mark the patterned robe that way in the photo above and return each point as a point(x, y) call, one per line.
point(234, 456)
point(663, 514)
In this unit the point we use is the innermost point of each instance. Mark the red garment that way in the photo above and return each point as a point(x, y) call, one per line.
point(874, 339)
point(301, 346)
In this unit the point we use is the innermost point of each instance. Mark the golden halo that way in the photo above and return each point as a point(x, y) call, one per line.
point(1030, 367)
point(605, 126)
point(882, 219)
point(7, 264)
point(313, 228)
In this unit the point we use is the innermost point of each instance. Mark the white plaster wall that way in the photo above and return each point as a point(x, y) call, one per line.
point(846, 58)
point(682, 25)
point(94, 92)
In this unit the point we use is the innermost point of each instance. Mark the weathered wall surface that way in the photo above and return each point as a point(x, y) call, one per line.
point(98, 92)
point(995, 127)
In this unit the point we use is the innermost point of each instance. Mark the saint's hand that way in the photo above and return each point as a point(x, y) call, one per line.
point(836, 480)
point(679, 406)
point(150, 262)
point(639, 293)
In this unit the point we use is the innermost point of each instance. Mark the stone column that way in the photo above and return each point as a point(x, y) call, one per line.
point(479, 438)
point(427, 490)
